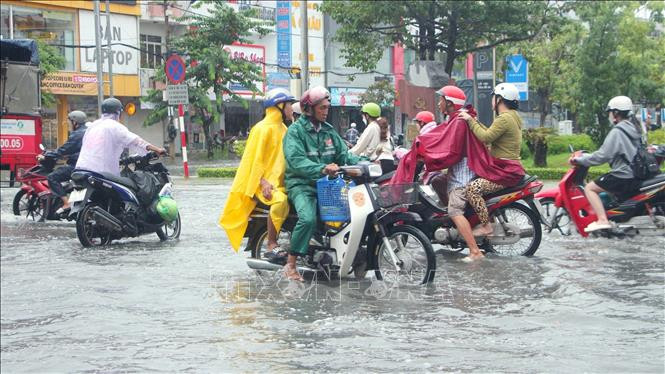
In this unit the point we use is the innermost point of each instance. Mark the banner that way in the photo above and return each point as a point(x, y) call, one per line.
point(344, 96)
point(70, 83)
point(252, 53)
point(283, 27)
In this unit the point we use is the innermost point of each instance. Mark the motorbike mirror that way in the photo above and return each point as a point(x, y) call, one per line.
point(572, 150)
point(41, 146)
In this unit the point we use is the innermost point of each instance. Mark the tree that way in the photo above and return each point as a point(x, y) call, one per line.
point(453, 27)
point(50, 60)
point(381, 92)
point(211, 69)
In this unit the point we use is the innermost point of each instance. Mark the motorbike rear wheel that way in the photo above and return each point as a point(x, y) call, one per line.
point(170, 231)
point(563, 221)
point(414, 253)
point(258, 243)
point(88, 232)
point(20, 203)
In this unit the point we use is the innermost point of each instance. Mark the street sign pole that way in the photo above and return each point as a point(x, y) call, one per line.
point(183, 140)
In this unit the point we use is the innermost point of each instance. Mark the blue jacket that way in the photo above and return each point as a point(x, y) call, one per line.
point(71, 148)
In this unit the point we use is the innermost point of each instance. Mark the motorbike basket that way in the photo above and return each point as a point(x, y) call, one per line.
point(396, 194)
point(333, 199)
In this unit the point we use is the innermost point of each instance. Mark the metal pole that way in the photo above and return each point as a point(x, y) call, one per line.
point(181, 119)
point(493, 75)
point(304, 61)
point(475, 83)
point(109, 51)
point(98, 49)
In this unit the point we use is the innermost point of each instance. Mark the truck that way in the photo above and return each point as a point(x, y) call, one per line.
point(20, 105)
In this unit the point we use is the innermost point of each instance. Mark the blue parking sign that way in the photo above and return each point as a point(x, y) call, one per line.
point(517, 73)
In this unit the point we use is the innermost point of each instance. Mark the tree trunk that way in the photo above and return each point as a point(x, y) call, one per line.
point(540, 154)
point(576, 125)
point(422, 43)
point(206, 133)
point(543, 108)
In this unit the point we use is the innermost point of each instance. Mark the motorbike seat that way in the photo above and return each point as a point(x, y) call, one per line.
point(79, 176)
point(120, 180)
point(526, 179)
point(658, 179)
point(384, 177)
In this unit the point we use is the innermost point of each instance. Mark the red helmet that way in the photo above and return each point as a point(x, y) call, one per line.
point(313, 96)
point(453, 94)
point(424, 117)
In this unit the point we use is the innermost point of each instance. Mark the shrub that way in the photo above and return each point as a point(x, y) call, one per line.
point(524, 150)
point(239, 147)
point(557, 144)
point(657, 137)
point(228, 172)
point(557, 173)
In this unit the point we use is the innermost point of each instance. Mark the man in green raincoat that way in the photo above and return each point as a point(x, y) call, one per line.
point(312, 149)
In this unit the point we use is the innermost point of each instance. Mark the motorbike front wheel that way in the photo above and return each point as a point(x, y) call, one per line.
point(522, 218)
point(415, 257)
point(170, 231)
point(90, 234)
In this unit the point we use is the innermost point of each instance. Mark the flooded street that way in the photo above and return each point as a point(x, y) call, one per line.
point(593, 305)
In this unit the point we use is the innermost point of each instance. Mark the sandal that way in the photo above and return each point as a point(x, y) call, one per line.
point(595, 226)
point(276, 256)
point(291, 273)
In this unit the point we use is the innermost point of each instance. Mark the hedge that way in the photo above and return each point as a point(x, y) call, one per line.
point(542, 173)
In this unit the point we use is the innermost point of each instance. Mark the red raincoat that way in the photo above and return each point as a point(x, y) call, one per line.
point(447, 144)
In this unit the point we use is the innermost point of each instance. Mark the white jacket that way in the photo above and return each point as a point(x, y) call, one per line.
point(368, 141)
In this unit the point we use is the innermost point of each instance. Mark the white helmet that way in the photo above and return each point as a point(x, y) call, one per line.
point(620, 103)
point(296, 108)
point(353, 125)
point(508, 91)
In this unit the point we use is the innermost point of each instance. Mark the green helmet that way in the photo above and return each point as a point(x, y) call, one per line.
point(372, 109)
point(167, 209)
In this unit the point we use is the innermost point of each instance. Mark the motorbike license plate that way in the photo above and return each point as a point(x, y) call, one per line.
point(77, 195)
point(541, 212)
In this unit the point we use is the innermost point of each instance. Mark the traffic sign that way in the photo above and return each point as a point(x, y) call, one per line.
point(177, 94)
point(175, 69)
point(518, 74)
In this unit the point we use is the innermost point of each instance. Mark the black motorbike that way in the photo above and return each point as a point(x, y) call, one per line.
point(111, 207)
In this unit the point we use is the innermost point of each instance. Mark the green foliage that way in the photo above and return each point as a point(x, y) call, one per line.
point(656, 137)
point(209, 66)
point(558, 173)
point(381, 92)
point(456, 28)
point(229, 172)
point(50, 60)
point(557, 144)
point(524, 150)
point(239, 147)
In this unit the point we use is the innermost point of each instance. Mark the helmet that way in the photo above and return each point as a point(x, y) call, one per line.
point(508, 91)
point(111, 106)
point(314, 96)
point(353, 125)
point(77, 117)
point(296, 108)
point(424, 117)
point(276, 96)
point(167, 209)
point(372, 109)
point(620, 103)
point(453, 94)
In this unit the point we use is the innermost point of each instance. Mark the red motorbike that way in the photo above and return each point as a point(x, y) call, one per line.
point(34, 199)
point(566, 206)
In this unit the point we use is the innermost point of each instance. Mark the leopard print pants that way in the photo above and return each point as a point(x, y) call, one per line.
point(474, 194)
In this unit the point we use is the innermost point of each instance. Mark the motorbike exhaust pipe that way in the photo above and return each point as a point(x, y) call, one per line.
point(257, 264)
point(106, 219)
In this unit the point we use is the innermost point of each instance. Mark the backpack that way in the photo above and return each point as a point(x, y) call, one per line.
point(644, 164)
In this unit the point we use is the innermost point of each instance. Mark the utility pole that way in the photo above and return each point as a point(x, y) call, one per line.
point(304, 40)
point(98, 48)
point(108, 50)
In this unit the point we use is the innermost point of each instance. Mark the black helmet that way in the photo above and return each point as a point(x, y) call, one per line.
point(77, 117)
point(111, 106)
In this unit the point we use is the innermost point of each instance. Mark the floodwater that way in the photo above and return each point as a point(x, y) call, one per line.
point(594, 305)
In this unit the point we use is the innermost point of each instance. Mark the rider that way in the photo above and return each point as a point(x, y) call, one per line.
point(425, 121)
point(297, 112)
point(618, 147)
point(105, 140)
point(459, 175)
point(371, 137)
point(260, 175)
point(312, 148)
point(352, 134)
point(505, 139)
point(71, 149)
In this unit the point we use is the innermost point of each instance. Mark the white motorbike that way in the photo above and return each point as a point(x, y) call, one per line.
point(381, 235)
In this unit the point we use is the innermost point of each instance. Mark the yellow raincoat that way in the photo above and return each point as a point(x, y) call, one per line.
point(263, 158)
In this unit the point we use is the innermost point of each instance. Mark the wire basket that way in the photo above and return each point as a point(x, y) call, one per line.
point(396, 194)
point(333, 199)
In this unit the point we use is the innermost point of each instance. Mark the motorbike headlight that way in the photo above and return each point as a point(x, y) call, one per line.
point(375, 170)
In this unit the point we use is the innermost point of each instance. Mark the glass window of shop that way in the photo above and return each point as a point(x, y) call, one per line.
point(151, 51)
point(51, 26)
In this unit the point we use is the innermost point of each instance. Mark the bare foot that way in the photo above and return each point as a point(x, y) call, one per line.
point(483, 230)
point(473, 257)
point(272, 246)
point(291, 273)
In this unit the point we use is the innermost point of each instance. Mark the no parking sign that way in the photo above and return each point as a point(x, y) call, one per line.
point(175, 69)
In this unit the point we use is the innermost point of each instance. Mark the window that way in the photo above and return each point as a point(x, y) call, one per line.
point(151, 51)
point(50, 26)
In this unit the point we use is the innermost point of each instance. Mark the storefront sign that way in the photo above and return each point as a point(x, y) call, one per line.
point(252, 53)
point(16, 134)
point(315, 40)
point(123, 30)
point(68, 83)
point(283, 26)
point(278, 80)
point(344, 96)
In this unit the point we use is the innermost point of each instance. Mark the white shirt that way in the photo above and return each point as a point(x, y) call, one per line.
point(368, 141)
point(459, 175)
point(103, 144)
point(428, 127)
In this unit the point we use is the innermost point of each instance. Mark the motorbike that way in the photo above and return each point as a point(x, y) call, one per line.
point(381, 235)
point(641, 214)
point(34, 199)
point(107, 206)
